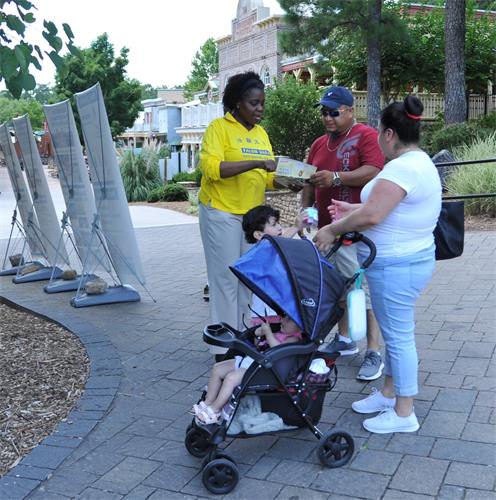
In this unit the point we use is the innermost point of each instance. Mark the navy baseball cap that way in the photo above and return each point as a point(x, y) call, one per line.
point(334, 97)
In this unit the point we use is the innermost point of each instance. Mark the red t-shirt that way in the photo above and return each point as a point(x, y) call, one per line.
point(347, 153)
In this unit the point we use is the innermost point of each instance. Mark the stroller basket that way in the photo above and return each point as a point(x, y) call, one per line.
point(293, 279)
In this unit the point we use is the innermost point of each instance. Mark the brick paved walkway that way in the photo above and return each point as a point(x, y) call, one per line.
point(125, 439)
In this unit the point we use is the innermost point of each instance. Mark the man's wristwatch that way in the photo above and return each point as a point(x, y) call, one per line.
point(336, 180)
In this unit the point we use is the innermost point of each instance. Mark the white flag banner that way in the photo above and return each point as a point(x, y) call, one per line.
point(111, 201)
point(50, 231)
point(75, 183)
point(23, 198)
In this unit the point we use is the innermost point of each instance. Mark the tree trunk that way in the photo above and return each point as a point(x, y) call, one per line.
point(455, 106)
point(374, 64)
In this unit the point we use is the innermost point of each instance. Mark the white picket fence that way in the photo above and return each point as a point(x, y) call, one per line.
point(433, 104)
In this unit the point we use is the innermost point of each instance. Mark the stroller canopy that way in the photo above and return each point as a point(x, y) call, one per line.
point(292, 278)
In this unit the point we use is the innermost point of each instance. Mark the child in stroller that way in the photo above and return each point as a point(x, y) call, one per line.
point(293, 279)
point(227, 375)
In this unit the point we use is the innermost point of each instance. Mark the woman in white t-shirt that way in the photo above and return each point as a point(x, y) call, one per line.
point(399, 212)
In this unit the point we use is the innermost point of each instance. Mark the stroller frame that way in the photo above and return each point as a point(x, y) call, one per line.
point(220, 474)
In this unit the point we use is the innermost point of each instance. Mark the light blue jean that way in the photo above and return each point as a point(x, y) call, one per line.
point(395, 284)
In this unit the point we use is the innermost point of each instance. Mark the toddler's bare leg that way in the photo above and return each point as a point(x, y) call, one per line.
point(231, 380)
point(219, 372)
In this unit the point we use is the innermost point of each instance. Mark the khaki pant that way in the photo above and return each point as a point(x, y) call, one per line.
point(223, 243)
point(346, 262)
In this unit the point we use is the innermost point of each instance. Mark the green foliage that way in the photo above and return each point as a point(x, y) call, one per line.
point(148, 91)
point(488, 121)
point(198, 175)
point(139, 173)
point(12, 108)
point(168, 192)
point(98, 63)
point(205, 64)
point(17, 55)
point(460, 134)
point(164, 151)
point(290, 118)
point(477, 178)
point(412, 47)
point(184, 177)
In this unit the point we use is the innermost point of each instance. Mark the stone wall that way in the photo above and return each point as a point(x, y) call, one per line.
point(287, 202)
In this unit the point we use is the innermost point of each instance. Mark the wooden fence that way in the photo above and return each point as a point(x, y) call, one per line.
point(433, 104)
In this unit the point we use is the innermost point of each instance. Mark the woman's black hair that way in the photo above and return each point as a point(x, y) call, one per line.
point(237, 86)
point(404, 119)
point(255, 220)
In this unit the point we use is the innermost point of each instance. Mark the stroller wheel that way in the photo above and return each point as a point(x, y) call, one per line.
point(336, 449)
point(197, 442)
point(215, 453)
point(220, 476)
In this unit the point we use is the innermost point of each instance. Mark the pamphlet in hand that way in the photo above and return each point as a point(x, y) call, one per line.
point(293, 172)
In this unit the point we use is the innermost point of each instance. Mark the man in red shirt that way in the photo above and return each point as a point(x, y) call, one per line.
point(347, 156)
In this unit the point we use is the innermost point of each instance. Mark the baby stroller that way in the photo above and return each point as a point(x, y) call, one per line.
point(292, 278)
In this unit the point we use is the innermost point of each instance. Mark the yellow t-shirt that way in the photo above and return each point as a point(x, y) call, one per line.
point(227, 140)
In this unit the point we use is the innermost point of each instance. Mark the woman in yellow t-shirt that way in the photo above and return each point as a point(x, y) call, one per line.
point(237, 164)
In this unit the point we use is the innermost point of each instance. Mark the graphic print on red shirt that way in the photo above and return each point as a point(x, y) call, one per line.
point(359, 148)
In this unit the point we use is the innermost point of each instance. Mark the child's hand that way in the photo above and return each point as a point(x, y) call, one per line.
point(299, 221)
point(263, 330)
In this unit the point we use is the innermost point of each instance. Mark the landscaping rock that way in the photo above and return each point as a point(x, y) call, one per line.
point(95, 287)
point(69, 274)
point(16, 260)
point(30, 268)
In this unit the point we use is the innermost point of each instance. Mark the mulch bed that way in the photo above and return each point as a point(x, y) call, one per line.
point(43, 374)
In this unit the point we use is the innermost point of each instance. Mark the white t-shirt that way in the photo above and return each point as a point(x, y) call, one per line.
point(408, 228)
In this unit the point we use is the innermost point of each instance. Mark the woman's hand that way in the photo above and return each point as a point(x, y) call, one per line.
point(324, 238)
point(269, 165)
point(339, 209)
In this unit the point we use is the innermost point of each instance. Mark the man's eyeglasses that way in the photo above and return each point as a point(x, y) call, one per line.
point(333, 113)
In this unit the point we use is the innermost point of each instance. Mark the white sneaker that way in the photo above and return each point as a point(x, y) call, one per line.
point(388, 421)
point(373, 403)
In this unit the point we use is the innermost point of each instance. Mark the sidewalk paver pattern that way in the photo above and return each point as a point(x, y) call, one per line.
point(149, 364)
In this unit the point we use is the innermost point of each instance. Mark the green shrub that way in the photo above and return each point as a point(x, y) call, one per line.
point(184, 177)
point(156, 194)
point(198, 176)
point(453, 136)
point(168, 192)
point(477, 178)
point(488, 121)
point(427, 131)
point(459, 134)
point(140, 174)
point(164, 151)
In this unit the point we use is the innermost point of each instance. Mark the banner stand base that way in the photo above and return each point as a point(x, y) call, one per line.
point(68, 285)
point(14, 270)
point(113, 295)
point(45, 273)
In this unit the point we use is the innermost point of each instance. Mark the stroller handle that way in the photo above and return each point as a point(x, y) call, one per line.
point(351, 238)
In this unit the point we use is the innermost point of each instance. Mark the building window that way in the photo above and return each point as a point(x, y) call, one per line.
point(266, 77)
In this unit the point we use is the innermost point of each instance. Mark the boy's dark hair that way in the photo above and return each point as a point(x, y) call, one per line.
point(237, 86)
point(255, 220)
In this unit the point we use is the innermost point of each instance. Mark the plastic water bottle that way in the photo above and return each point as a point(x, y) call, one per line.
point(357, 314)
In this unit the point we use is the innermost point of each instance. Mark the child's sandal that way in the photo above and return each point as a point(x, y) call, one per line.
point(207, 416)
point(197, 407)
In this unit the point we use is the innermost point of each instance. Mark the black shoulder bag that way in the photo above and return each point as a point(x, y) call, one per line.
point(450, 230)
